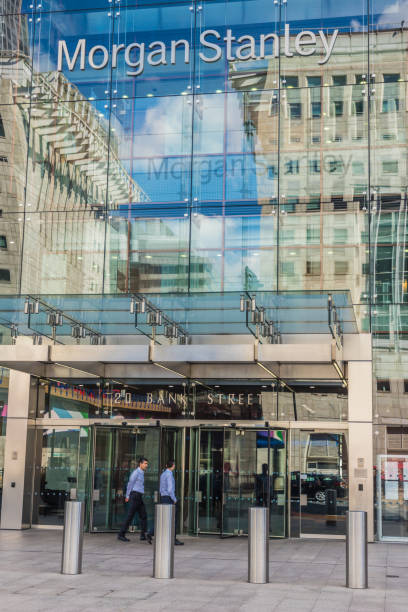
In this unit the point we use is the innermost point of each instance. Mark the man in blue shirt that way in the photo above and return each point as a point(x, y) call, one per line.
point(134, 495)
point(168, 491)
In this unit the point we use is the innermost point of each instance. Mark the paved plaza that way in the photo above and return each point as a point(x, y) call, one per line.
point(210, 574)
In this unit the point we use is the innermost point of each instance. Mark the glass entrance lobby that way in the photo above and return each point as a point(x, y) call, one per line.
point(226, 463)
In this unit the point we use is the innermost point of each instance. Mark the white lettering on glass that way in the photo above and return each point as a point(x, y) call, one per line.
point(160, 53)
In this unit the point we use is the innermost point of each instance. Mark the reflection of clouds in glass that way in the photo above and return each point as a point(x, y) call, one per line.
point(164, 131)
point(394, 13)
point(356, 26)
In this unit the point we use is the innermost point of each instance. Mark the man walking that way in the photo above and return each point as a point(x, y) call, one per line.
point(134, 495)
point(168, 492)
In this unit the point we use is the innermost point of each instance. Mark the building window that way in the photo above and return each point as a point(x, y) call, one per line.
point(393, 77)
point(358, 107)
point(2, 132)
point(405, 386)
point(339, 203)
point(313, 268)
point(4, 159)
point(313, 234)
point(383, 385)
point(3, 242)
point(314, 81)
point(295, 110)
point(4, 275)
point(316, 110)
point(390, 167)
point(313, 203)
point(290, 81)
point(338, 108)
point(341, 267)
point(340, 235)
point(287, 268)
point(339, 79)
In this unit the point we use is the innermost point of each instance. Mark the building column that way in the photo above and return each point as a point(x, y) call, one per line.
point(19, 452)
point(360, 409)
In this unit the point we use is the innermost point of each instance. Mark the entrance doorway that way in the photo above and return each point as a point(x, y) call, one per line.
point(319, 482)
point(239, 467)
point(115, 456)
point(392, 497)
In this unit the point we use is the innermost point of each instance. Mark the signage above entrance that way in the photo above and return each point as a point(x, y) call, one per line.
point(213, 49)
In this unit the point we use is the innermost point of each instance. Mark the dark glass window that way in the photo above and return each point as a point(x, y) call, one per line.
point(2, 132)
point(338, 108)
point(3, 242)
point(295, 110)
point(314, 81)
point(391, 78)
point(405, 386)
point(290, 81)
point(316, 109)
point(313, 268)
point(339, 203)
point(383, 385)
point(358, 107)
point(4, 275)
point(314, 203)
point(339, 79)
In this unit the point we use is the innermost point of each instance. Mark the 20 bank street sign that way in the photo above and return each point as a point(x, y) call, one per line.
point(159, 53)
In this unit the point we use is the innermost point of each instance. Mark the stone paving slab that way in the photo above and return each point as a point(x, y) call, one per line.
point(210, 575)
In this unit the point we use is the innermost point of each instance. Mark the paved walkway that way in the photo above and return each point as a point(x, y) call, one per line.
point(210, 574)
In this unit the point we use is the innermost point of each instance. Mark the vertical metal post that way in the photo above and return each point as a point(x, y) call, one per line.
point(73, 538)
point(356, 550)
point(164, 535)
point(258, 545)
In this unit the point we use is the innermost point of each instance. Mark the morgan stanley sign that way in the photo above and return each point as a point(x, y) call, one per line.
point(158, 53)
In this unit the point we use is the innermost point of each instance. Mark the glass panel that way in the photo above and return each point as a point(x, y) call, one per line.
point(322, 468)
point(392, 485)
point(254, 474)
point(4, 382)
point(156, 65)
point(56, 474)
point(117, 452)
point(210, 481)
point(94, 29)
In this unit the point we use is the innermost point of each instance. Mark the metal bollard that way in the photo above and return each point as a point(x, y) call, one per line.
point(164, 534)
point(73, 538)
point(356, 550)
point(258, 545)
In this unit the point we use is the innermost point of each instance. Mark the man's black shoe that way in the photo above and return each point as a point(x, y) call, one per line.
point(123, 538)
point(178, 543)
point(143, 536)
point(149, 538)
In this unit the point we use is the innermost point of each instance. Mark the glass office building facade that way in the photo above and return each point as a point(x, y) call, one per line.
point(162, 162)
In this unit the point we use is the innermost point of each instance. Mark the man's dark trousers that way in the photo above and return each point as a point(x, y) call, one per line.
point(166, 499)
point(136, 505)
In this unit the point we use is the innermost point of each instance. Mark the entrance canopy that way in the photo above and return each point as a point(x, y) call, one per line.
point(98, 319)
point(290, 336)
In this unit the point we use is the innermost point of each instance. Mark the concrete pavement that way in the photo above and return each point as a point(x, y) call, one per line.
point(210, 575)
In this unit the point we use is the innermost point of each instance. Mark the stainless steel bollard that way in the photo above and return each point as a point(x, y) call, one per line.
point(164, 534)
point(356, 550)
point(258, 545)
point(73, 538)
